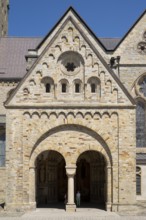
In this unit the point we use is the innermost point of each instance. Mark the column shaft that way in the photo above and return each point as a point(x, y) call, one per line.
point(109, 188)
point(32, 187)
point(70, 189)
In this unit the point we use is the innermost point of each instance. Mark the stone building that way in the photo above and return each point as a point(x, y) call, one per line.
point(4, 8)
point(73, 117)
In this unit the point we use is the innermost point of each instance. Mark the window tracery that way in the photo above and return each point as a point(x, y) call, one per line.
point(70, 67)
point(70, 62)
point(141, 47)
point(141, 124)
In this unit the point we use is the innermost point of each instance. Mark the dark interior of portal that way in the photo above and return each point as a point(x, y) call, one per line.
point(90, 178)
point(51, 180)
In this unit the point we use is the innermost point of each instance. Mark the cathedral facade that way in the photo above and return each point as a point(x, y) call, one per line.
point(73, 118)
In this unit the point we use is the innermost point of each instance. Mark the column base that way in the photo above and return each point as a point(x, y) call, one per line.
point(20, 207)
point(70, 207)
point(108, 207)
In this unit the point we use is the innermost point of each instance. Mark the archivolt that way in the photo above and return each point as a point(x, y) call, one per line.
point(79, 128)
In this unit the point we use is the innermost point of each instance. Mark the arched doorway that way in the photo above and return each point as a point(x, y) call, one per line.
point(51, 180)
point(91, 179)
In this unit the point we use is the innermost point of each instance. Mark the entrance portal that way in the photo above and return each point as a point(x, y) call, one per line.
point(51, 178)
point(90, 178)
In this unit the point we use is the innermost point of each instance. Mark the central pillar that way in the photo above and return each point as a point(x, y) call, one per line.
point(70, 206)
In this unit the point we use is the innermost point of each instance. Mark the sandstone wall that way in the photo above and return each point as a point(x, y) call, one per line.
point(71, 132)
point(2, 184)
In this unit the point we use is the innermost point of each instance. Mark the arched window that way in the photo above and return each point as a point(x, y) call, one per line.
point(138, 181)
point(140, 125)
point(93, 88)
point(48, 84)
point(94, 85)
point(77, 88)
point(64, 87)
point(48, 88)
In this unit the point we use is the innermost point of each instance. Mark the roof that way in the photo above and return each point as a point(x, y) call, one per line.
point(12, 55)
point(141, 158)
point(14, 49)
point(110, 43)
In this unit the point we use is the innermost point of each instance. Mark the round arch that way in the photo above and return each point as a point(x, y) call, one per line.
point(51, 179)
point(91, 178)
point(43, 143)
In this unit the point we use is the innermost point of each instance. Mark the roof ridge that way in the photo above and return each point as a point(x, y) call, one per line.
point(19, 37)
point(109, 37)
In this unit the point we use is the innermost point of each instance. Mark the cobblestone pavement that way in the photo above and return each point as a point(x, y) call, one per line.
point(60, 214)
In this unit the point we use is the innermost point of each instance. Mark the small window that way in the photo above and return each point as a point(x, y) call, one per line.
point(48, 88)
point(138, 181)
point(64, 87)
point(2, 146)
point(77, 88)
point(93, 88)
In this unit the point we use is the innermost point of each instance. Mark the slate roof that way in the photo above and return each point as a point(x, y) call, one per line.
point(141, 158)
point(14, 49)
point(110, 43)
point(12, 55)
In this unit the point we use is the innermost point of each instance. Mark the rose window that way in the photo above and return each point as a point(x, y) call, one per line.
point(70, 62)
point(142, 47)
point(70, 67)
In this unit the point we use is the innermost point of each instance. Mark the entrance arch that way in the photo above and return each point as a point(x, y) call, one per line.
point(90, 178)
point(70, 141)
point(51, 180)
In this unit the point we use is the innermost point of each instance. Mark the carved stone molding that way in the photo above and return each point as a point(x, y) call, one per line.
point(141, 47)
point(141, 87)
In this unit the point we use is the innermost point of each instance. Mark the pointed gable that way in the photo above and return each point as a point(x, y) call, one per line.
point(132, 47)
point(70, 57)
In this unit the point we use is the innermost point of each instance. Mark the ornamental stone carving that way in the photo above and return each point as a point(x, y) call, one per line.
point(141, 47)
point(70, 62)
point(141, 86)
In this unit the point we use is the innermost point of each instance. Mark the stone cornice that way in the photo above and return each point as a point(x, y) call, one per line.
point(72, 106)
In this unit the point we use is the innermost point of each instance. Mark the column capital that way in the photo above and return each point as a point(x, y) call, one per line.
point(70, 170)
point(109, 167)
point(32, 168)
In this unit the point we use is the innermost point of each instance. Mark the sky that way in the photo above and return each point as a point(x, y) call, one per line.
point(106, 18)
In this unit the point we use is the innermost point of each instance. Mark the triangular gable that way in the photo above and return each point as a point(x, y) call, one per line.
point(129, 31)
point(71, 9)
point(78, 27)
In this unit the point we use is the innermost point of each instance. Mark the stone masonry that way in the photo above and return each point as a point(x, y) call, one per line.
point(72, 101)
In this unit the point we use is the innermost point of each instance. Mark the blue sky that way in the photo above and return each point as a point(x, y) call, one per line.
point(106, 18)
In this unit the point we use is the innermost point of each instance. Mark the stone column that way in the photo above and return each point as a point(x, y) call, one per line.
point(109, 188)
point(70, 206)
point(55, 91)
point(85, 90)
point(32, 187)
